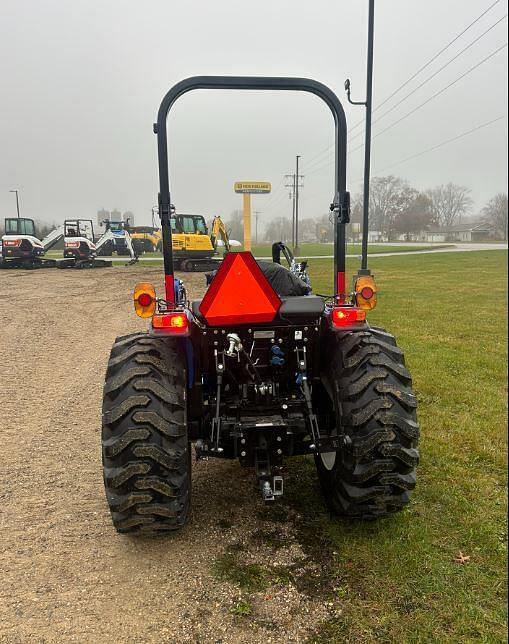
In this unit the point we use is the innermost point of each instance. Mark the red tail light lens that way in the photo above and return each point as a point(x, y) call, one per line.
point(72, 244)
point(347, 316)
point(175, 323)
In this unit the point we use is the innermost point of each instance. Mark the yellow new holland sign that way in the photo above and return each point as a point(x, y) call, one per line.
point(252, 187)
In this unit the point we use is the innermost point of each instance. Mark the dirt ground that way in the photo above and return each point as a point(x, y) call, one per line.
point(65, 574)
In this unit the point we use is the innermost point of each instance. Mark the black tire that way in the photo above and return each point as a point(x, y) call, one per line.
point(145, 449)
point(375, 413)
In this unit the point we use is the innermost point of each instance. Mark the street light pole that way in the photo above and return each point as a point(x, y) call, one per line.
point(17, 200)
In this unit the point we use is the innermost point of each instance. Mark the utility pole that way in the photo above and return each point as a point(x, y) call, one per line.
point(256, 213)
point(17, 200)
point(368, 104)
point(296, 246)
point(290, 183)
point(294, 183)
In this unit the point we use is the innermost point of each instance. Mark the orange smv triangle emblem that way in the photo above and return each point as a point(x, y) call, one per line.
point(239, 293)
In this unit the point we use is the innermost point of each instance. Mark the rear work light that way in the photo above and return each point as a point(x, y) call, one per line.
point(144, 297)
point(365, 292)
point(172, 323)
point(346, 316)
point(12, 242)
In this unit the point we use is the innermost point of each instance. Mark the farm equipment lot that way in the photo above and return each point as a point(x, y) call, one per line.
point(242, 571)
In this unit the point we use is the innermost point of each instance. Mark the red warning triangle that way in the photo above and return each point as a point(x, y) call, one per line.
point(239, 293)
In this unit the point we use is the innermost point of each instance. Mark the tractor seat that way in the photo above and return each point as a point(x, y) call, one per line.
point(299, 308)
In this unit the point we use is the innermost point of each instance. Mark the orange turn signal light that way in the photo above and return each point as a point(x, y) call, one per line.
point(344, 316)
point(174, 323)
point(365, 292)
point(144, 297)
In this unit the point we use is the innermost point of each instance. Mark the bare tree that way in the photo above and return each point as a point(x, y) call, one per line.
point(495, 212)
point(449, 203)
point(235, 225)
point(417, 216)
point(279, 229)
point(389, 198)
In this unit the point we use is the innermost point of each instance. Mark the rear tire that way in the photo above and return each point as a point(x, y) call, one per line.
point(375, 415)
point(146, 455)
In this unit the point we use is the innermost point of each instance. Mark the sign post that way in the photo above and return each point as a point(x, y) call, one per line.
point(246, 189)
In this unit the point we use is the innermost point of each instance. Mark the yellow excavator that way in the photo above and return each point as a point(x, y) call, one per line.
point(146, 239)
point(193, 248)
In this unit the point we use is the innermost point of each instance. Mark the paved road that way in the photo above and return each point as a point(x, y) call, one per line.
point(456, 248)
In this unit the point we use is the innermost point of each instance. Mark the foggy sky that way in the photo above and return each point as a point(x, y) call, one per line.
point(81, 83)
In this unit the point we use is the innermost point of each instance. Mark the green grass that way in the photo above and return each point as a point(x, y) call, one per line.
point(397, 580)
point(241, 609)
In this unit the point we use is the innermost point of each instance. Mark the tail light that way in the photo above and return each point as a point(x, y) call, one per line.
point(346, 316)
point(172, 323)
point(365, 292)
point(72, 244)
point(144, 297)
point(12, 242)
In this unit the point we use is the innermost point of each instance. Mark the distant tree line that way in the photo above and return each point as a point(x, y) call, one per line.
point(396, 209)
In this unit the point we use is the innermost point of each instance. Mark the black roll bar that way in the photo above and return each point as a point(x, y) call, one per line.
point(341, 202)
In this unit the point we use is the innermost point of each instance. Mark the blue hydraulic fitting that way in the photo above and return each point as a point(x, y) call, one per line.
point(278, 356)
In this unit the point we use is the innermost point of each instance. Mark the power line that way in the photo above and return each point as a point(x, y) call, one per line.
point(431, 60)
point(441, 91)
point(411, 78)
point(317, 167)
point(440, 145)
point(471, 44)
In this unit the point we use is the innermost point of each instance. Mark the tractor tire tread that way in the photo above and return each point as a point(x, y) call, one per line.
point(375, 471)
point(146, 454)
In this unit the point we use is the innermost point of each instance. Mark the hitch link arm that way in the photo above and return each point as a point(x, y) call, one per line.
point(216, 421)
point(311, 417)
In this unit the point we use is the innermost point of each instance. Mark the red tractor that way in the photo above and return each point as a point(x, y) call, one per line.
point(258, 370)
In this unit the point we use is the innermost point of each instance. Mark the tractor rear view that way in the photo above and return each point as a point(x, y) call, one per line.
point(258, 370)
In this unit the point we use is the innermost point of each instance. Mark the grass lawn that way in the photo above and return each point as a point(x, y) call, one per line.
point(437, 571)
point(398, 580)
